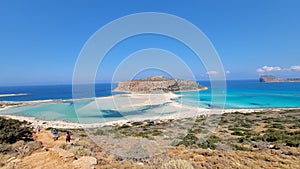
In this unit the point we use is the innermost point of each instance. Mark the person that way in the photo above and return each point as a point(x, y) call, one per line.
point(55, 135)
point(68, 137)
point(38, 128)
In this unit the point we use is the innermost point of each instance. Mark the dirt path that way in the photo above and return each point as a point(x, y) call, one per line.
point(46, 138)
point(46, 159)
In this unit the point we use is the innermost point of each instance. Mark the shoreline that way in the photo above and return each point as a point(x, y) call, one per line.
point(13, 94)
point(180, 111)
point(202, 88)
point(61, 124)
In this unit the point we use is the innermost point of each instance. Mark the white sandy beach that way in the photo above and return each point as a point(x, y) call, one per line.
point(11, 95)
point(70, 125)
point(128, 101)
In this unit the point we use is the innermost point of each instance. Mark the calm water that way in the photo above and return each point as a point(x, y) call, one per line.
point(240, 94)
point(249, 94)
point(51, 92)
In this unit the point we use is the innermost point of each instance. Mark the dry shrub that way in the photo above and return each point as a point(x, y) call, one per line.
point(64, 146)
point(79, 150)
point(177, 164)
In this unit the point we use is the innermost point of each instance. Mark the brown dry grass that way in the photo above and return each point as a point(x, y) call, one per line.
point(179, 156)
point(204, 158)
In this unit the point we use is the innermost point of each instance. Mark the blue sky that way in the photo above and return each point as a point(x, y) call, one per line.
point(41, 40)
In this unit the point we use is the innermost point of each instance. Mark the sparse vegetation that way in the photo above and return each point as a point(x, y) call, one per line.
point(177, 164)
point(189, 140)
point(12, 131)
point(276, 125)
point(210, 142)
point(264, 139)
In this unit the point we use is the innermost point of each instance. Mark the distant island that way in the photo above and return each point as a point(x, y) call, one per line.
point(155, 84)
point(270, 78)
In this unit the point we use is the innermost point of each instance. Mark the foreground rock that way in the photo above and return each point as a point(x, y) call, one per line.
point(85, 162)
point(155, 84)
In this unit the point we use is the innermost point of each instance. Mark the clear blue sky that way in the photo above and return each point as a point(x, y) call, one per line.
point(41, 40)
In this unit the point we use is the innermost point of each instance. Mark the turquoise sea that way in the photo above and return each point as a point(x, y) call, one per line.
point(249, 94)
point(240, 94)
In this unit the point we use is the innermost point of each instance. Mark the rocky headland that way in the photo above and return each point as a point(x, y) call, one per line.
point(156, 84)
point(270, 78)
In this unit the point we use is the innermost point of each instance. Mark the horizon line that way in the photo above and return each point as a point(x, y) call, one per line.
point(56, 84)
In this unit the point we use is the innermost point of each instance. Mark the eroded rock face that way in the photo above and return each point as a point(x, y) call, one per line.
point(156, 84)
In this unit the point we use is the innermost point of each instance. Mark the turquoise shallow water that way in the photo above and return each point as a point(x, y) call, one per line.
point(240, 94)
point(249, 94)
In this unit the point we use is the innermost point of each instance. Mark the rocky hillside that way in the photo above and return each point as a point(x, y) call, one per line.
point(263, 139)
point(155, 84)
point(270, 78)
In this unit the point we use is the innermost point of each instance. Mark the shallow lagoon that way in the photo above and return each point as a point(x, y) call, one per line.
point(114, 106)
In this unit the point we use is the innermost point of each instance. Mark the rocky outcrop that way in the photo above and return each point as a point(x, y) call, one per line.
point(155, 84)
point(270, 78)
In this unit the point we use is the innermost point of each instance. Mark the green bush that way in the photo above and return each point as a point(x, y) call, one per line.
point(123, 126)
point(237, 133)
point(157, 133)
point(210, 142)
point(137, 123)
point(293, 143)
point(276, 125)
point(189, 140)
point(12, 131)
point(82, 135)
point(242, 139)
point(207, 144)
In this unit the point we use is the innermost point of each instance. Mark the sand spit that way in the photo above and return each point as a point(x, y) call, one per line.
point(125, 101)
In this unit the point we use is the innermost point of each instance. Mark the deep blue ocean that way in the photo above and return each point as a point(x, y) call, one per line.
point(240, 94)
point(50, 92)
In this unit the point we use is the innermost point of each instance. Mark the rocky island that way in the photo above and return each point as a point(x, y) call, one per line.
point(155, 84)
point(270, 78)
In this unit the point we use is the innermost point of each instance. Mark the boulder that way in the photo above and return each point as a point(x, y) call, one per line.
point(85, 162)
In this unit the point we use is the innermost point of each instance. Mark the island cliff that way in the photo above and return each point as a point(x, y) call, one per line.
point(155, 84)
point(269, 78)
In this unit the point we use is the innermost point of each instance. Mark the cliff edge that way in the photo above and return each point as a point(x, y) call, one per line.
point(155, 84)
